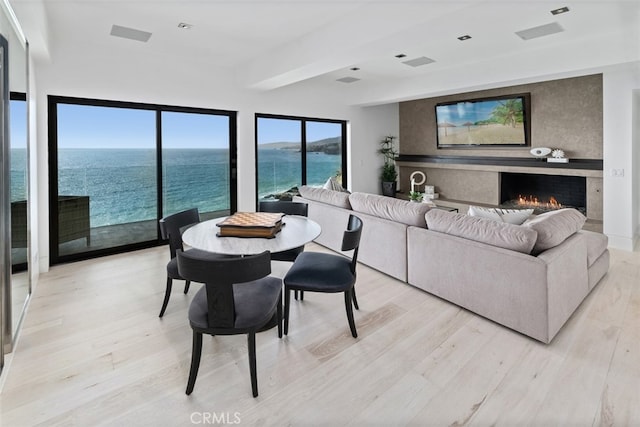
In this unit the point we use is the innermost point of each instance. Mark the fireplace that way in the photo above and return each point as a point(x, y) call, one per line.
point(543, 192)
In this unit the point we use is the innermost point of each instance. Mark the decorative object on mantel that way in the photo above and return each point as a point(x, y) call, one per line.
point(412, 177)
point(540, 152)
point(415, 196)
point(557, 156)
point(430, 193)
point(389, 174)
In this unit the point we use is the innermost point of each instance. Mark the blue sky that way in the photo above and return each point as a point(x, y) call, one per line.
point(282, 130)
point(18, 124)
point(81, 126)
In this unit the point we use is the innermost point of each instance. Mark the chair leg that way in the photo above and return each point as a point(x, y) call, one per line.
point(301, 295)
point(251, 340)
point(347, 303)
point(167, 294)
point(295, 295)
point(195, 360)
point(355, 300)
point(186, 286)
point(287, 301)
point(279, 314)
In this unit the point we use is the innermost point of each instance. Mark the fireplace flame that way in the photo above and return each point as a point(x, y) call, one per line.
point(534, 202)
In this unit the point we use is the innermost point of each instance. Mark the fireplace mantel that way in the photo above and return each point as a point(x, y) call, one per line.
point(576, 167)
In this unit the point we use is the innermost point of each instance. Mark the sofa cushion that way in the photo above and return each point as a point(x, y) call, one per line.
point(555, 227)
point(403, 211)
point(330, 197)
point(483, 230)
point(511, 216)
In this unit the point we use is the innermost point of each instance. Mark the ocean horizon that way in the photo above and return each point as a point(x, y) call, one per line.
point(122, 183)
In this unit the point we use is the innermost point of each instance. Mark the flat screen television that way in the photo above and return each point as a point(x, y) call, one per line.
point(501, 121)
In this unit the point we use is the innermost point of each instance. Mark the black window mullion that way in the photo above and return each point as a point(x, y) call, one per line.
point(159, 171)
point(303, 150)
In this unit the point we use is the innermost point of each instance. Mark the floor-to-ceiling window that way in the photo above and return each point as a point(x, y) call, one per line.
point(116, 168)
point(294, 151)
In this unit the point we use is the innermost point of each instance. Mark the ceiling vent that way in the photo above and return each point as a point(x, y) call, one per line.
point(347, 80)
point(541, 31)
point(130, 33)
point(418, 62)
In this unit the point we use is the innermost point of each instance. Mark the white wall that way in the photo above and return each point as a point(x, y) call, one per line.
point(161, 82)
point(620, 192)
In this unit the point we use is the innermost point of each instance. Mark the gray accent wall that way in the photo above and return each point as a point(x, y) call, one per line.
point(565, 114)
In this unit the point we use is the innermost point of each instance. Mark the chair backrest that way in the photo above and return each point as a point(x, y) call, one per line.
point(219, 275)
point(171, 227)
point(351, 239)
point(285, 207)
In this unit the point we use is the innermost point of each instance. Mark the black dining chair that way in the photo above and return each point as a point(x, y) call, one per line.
point(239, 297)
point(171, 228)
point(287, 208)
point(329, 273)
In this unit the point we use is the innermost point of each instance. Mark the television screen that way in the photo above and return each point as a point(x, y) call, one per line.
point(498, 121)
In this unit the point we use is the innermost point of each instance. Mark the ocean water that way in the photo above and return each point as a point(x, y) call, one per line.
point(122, 184)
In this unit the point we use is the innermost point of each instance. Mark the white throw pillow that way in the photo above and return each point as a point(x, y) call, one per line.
point(333, 184)
point(510, 216)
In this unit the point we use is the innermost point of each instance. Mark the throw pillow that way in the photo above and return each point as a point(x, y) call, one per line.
point(555, 227)
point(510, 216)
point(333, 184)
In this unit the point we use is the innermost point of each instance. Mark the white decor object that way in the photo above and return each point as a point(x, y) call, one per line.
point(413, 179)
point(557, 156)
point(430, 196)
point(540, 151)
point(429, 189)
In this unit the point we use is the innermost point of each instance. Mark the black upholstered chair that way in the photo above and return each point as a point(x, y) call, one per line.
point(171, 228)
point(288, 208)
point(329, 273)
point(239, 297)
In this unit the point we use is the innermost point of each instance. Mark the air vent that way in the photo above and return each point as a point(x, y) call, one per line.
point(541, 31)
point(560, 10)
point(130, 33)
point(347, 80)
point(418, 62)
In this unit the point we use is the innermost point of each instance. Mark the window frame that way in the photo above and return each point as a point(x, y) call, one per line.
point(303, 144)
point(54, 100)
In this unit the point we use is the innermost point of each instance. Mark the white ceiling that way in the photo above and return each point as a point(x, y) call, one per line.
point(268, 44)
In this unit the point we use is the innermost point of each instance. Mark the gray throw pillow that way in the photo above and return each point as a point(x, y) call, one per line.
point(555, 227)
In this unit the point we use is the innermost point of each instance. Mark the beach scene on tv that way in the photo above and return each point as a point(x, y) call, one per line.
point(485, 122)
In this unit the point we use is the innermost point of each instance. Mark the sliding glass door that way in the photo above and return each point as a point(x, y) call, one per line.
point(116, 168)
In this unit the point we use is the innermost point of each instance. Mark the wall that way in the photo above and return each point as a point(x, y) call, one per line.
point(162, 82)
point(565, 113)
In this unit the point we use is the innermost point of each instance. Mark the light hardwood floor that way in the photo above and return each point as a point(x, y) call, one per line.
point(94, 352)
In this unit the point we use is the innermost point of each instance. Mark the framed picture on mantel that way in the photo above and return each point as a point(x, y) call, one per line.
point(501, 121)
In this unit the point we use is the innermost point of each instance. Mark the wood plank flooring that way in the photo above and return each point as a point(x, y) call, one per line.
point(93, 352)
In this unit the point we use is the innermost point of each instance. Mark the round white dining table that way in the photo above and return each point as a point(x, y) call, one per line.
point(296, 231)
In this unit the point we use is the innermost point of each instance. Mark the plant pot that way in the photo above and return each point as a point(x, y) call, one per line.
point(389, 189)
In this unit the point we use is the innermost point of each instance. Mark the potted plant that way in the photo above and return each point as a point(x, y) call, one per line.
point(415, 196)
point(389, 173)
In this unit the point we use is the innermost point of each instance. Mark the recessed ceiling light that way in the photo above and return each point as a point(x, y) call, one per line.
point(417, 62)
point(400, 55)
point(354, 68)
point(347, 80)
point(465, 37)
point(540, 31)
point(560, 10)
point(184, 26)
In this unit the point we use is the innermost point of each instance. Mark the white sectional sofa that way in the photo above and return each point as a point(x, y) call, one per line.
point(528, 277)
